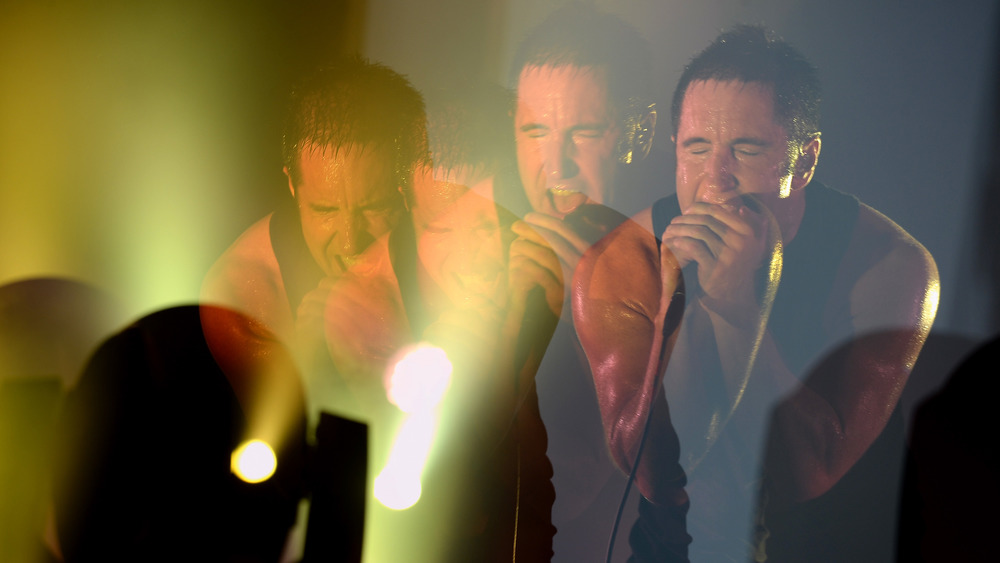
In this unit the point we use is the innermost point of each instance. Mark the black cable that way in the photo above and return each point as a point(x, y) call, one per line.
point(645, 429)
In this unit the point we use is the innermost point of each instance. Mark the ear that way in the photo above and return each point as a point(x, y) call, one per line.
point(291, 187)
point(805, 163)
point(406, 200)
point(644, 136)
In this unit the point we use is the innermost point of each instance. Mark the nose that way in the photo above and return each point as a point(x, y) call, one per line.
point(352, 236)
point(719, 177)
point(488, 257)
point(559, 159)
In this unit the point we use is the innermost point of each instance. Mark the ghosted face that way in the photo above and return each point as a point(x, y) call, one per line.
point(729, 144)
point(567, 135)
point(459, 239)
point(346, 198)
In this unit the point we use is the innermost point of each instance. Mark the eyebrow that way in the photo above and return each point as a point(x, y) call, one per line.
point(529, 126)
point(590, 127)
point(596, 126)
point(693, 141)
point(740, 141)
point(750, 141)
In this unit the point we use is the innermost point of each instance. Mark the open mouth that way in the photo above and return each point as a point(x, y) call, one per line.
point(564, 200)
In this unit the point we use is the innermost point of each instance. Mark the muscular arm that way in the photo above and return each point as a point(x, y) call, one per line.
point(821, 426)
point(620, 318)
point(890, 285)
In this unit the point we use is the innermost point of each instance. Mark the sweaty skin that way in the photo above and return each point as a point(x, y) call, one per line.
point(625, 324)
point(347, 197)
point(479, 320)
point(247, 278)
point(469, 312)
point(567, 132)
point(729, 148)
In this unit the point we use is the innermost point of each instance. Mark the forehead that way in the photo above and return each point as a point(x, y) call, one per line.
point(433, 196)
point(732, 106)
point(549, 91)
point(348, 173)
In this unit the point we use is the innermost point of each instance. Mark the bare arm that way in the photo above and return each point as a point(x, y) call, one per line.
point(621, 304)
point(822, 428)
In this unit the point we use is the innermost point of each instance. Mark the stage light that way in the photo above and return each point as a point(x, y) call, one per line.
point(397, 491)
point(254, 461)
point(419, 379)
point(397, 486)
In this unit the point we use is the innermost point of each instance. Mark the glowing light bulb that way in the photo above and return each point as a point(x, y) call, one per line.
point(398, 484)
point(396, 491)
point(253, 461)
point(419, 378)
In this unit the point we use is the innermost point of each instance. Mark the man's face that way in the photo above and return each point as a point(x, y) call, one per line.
point(729, 144)
point(459, 237)
point(347, 198)
point(567, 134)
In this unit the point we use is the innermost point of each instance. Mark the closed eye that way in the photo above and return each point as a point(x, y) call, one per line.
point(748, 146)
point(323, 209)
point(534, 130)
point(588, 133)
point(437, 230)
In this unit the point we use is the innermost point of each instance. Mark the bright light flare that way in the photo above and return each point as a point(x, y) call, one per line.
point(397, 492)
point(398, 485)
point(254, 461)
point(419, 379)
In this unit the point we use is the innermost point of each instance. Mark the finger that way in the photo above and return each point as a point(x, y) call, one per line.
point(563, 249)
point(739, 218)
point(547, 223)
point(712, 240)
point(688, 250)
point(717, 227)
point(525, 274)
point(542, 254)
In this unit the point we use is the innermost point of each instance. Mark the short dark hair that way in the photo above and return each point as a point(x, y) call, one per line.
point(469, 124)
point(352, 101)
point(580, 35)
point(749, 53)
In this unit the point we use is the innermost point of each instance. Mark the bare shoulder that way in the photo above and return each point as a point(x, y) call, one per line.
point(894, 279)
point(622, 266)
point(880, 241)
point(246, 276)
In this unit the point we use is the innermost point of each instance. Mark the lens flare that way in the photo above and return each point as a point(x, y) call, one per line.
point(419, 379)
point(398, 485)
point(254, 461)
point(397, 491)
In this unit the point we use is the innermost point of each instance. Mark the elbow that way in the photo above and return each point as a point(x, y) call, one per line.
point(618, 439)
point(813, 484)
point(804, 477)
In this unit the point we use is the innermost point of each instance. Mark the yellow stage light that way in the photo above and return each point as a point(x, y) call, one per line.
point(419, 379)
point(254, 461)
